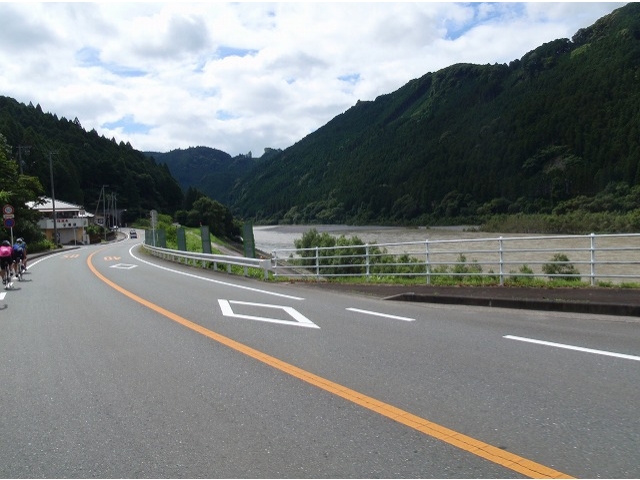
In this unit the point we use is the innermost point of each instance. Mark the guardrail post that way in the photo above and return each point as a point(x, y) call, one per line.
point(593, 259)
point(366, 249)
point(501, 262)
point(318, 263)
point(427, 262)
point(274, 263)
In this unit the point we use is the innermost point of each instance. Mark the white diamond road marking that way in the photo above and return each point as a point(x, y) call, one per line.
point(299, 319)
point(123, 266)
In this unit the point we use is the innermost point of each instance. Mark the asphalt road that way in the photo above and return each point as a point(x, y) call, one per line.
point(117, 364)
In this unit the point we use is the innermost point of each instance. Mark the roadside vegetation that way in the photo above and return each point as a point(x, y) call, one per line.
point(193, 240)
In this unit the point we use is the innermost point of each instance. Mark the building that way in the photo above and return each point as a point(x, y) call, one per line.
point(71, 221)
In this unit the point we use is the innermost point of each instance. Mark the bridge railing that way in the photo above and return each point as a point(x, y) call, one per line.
point(207, 259)
point(613, 258)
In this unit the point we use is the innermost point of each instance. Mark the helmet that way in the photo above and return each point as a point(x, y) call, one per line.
point(6, 243)
point(19, 240)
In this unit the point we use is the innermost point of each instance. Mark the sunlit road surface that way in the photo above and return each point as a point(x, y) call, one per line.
point(117, 364)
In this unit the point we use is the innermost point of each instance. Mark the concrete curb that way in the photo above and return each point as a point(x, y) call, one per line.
point(525, 304)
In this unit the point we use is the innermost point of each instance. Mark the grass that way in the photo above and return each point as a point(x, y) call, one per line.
point(446, 279)
point(193, 240)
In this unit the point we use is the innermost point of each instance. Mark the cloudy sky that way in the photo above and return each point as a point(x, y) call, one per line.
point(240, 77)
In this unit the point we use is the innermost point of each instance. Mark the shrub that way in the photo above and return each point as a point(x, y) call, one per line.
point(41, 246)
point(462, 267)
point(525, 277)
point(560, 268)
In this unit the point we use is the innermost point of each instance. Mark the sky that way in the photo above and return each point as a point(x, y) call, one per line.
point(241, 77)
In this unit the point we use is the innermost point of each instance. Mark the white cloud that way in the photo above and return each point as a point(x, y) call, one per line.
point(240, 77)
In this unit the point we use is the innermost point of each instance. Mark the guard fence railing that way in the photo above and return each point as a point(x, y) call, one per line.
point(611, 258)
point(206, 260)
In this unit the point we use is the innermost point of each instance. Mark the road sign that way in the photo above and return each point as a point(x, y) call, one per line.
point(7, 210)
point(9, 222)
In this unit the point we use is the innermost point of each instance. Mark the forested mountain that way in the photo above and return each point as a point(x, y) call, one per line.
point(545, 132)
point(211, 171)
point(84, 161)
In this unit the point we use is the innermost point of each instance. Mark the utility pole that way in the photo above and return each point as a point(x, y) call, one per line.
point(26, 150)
point(104, 213)
point(109, 209)
point(53, 200)
point(115, 209)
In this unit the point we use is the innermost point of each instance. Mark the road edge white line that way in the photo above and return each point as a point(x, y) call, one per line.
point(226, 284)
point(378, 314)
point(573, 347)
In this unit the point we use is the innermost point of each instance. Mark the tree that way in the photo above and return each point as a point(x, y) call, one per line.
point(190, 198)
point(17, 190)
point(217, 217)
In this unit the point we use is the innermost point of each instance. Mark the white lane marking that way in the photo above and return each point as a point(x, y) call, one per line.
point(226, 284)
point(394, 317)
point(2, 295)
point(572, 347)
point(300, 320)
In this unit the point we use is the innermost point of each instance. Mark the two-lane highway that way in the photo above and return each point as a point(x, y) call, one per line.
point(116, 364)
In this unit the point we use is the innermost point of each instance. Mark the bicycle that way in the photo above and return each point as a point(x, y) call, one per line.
point(18, 268)
point(6, 277)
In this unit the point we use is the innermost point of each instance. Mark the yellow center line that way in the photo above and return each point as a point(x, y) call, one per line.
point(488, 452)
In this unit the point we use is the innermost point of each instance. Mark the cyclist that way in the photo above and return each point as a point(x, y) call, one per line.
point(6, 259)
point(20, 255)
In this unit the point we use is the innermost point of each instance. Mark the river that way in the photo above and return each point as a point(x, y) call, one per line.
point(273, 237)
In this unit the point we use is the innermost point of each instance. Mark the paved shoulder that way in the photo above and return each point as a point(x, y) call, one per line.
point(596, 300)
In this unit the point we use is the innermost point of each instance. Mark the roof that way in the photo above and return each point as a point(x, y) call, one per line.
point(46, 205)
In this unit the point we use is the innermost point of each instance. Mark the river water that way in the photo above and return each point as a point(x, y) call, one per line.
point(269, 238)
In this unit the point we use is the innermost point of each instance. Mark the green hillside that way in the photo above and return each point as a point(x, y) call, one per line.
point(546, 132)
point(553, 132)
point(84, 161)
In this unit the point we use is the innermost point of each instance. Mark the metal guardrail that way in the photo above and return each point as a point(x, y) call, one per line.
point(206, 259)
point(614, 257)
point(611, 257)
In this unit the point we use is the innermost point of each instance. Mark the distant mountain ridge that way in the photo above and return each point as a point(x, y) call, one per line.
point(209, 170)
